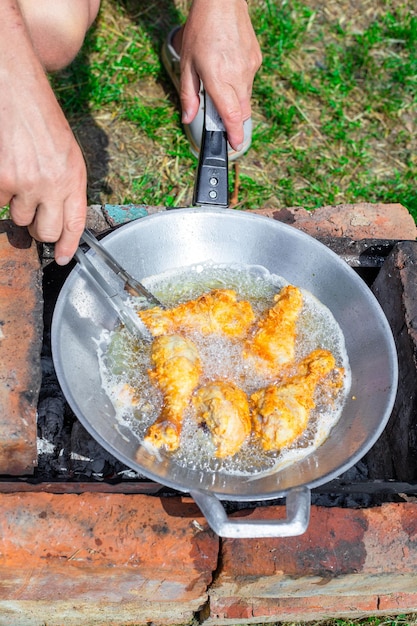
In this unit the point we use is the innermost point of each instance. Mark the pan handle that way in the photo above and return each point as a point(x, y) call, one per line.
point(296, 522)
point(211, 184)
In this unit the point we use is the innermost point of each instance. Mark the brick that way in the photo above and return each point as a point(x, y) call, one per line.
point(224, 611)
point(20, 347)
point(363, 220)
point(132, 559)
point(357, 221)
point(395, 289)
point(75, 558)
point(96, 219)
point(346, 560)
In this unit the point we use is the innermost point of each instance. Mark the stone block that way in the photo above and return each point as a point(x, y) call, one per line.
point(345, 562)
point(102, 558)
point(20, 348)
point(357, 221)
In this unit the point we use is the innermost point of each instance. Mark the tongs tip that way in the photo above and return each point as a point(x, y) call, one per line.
point(124, 310)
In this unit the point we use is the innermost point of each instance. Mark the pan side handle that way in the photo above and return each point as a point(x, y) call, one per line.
point(296, 521)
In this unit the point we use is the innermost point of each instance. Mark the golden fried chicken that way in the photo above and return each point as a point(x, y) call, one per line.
point(224, 409)
point(218, 311)
point(281, 411)
point(177, 372)
point(273, 343)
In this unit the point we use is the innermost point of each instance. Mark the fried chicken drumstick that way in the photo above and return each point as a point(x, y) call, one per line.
point(273, 343)
point(224, 409)
point(176, 372)
point(281, 411)
point(216, 312)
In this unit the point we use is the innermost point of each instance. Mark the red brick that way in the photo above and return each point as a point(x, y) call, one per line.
point(363, 220)
point(136, 557)
point(20, 346)
point(128, 559)
point(356, 221)
point(344, 563)
point(304, 609)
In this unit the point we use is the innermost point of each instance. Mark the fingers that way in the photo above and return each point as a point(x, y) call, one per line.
point(233, 107)
point(233, 111)
point(231, 91)
point(189, 96)
point(53, 221)
point(74, 223)
point(44, 222)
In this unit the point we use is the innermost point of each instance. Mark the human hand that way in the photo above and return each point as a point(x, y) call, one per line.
point(42, 170)
point(219, 47)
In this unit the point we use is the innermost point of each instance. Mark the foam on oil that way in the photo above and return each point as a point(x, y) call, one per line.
point(124, 366)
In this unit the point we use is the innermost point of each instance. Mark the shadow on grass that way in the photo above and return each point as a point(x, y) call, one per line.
point(72, 87)
point(75, 87)
point(156, 20)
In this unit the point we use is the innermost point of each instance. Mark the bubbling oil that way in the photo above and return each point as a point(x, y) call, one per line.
point(124, 365)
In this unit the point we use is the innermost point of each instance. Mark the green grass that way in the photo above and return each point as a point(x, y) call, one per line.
point(334, 104)
point(374, 72)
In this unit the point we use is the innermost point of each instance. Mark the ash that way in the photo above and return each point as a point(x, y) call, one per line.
point(66, 451)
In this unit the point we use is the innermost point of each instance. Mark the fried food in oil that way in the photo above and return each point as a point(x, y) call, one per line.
point(273, 343)
point(176, 372)
point(224, 409)
point(281, 412)
point(216, 312)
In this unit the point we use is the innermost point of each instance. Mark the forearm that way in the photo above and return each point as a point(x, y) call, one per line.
point(27, 101)
point(18, 58)
point(23, 82)
point(42, 171)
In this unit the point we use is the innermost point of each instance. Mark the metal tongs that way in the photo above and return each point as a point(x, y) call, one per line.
point(117, 299)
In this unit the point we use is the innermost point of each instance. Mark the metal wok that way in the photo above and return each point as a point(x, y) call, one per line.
point(185, 237)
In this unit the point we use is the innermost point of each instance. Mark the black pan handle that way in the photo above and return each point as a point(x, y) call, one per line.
point(212, 182)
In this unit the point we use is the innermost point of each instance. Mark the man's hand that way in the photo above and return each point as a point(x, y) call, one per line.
point(42, 170)
point(219, 47)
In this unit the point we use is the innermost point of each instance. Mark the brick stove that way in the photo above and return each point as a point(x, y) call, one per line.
point(84, 540)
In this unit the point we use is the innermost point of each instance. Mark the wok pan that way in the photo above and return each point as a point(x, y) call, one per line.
point(185, 237)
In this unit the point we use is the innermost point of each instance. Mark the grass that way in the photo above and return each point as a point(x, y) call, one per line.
point(334, 104)
point(350, 94)
point(400, 620)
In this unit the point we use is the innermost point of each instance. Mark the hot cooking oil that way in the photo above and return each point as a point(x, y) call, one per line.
point(124, 366)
